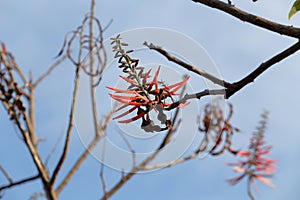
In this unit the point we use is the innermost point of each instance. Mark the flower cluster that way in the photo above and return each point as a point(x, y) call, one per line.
point(256, 166)
point(216, 127)
point(143, 95)
point(10, 92)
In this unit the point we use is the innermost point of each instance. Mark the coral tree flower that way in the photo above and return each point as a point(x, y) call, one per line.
point(144, 96)
point(255, 166)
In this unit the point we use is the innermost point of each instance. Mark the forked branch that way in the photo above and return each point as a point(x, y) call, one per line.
point(142, 165)
point(229, 88)
point(252, 19)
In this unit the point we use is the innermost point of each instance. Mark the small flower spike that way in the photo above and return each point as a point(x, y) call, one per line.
point(142, 96)
point(255, 166)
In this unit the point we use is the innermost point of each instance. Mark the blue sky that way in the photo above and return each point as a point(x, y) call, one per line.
point(34, 32)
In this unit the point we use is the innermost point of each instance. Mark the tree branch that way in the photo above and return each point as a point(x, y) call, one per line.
point(141, 166)
point(19, 115)
point(43, 172)
point(48, 72)
point(15, 183)
point(173, 162)
point(102, 177)
point(197, 95)
point(6, 174)
point(84, 155)
point(230, 88)
point(252, 19)
point(186, 65)
point(70, 127)
point(235, 87)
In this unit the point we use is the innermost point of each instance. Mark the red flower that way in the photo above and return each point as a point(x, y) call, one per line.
point(256, 166)
point(144, 96)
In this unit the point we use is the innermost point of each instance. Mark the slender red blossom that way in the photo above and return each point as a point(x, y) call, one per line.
point(217, 128)
point(254, 165)
point(151, 95)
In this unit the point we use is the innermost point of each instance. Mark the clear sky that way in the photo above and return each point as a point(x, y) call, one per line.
point(34, 32)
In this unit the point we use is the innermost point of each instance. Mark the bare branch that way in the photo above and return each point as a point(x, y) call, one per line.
point(13, 102)
point(230, 88)
point(6, 174)
point(197, 95)
point(43, 172)
point(48, 72)
point(129, 146)
point(76, 166)
point(18, 70)
point(102, 176)
point(53, 149)
point(186, 65)
point(91, 65)
point(173, 162)
point(252, 19)
point(249, 189)
point(70, 127)
point(30, 120)
point(15, 183)
point(141, 166)
point(84, 155)
point(128, 176)
point(235, 87)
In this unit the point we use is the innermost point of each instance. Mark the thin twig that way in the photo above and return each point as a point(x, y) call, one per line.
point(70, 127)
point(252, 19)
point(6, 174)
point(48, 72)
point(77, 164)
point(129, 146)
point(30, 120)
point(102, 176)
point(15, 183)
point(141, 166)
point(53, 149)
point(84, 155)
point(19, 71)
point(186, 65)
point(128, 176)
point(173, 162)
point(91, 65)
point(197, 95)
point(249, 188)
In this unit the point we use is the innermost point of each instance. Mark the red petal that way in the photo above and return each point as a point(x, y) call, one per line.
point(147, 74)
point(133, 118)
point(243, 153)
point(234, 181)
point(265, 181)
point(129, 80)
point(142, 97)
point(129, 102)
point(177, 86)
point(155, 79)
point(125, 113)
point(114, 96)
point(265, 150)
point(121, 91)
point(121, 107)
